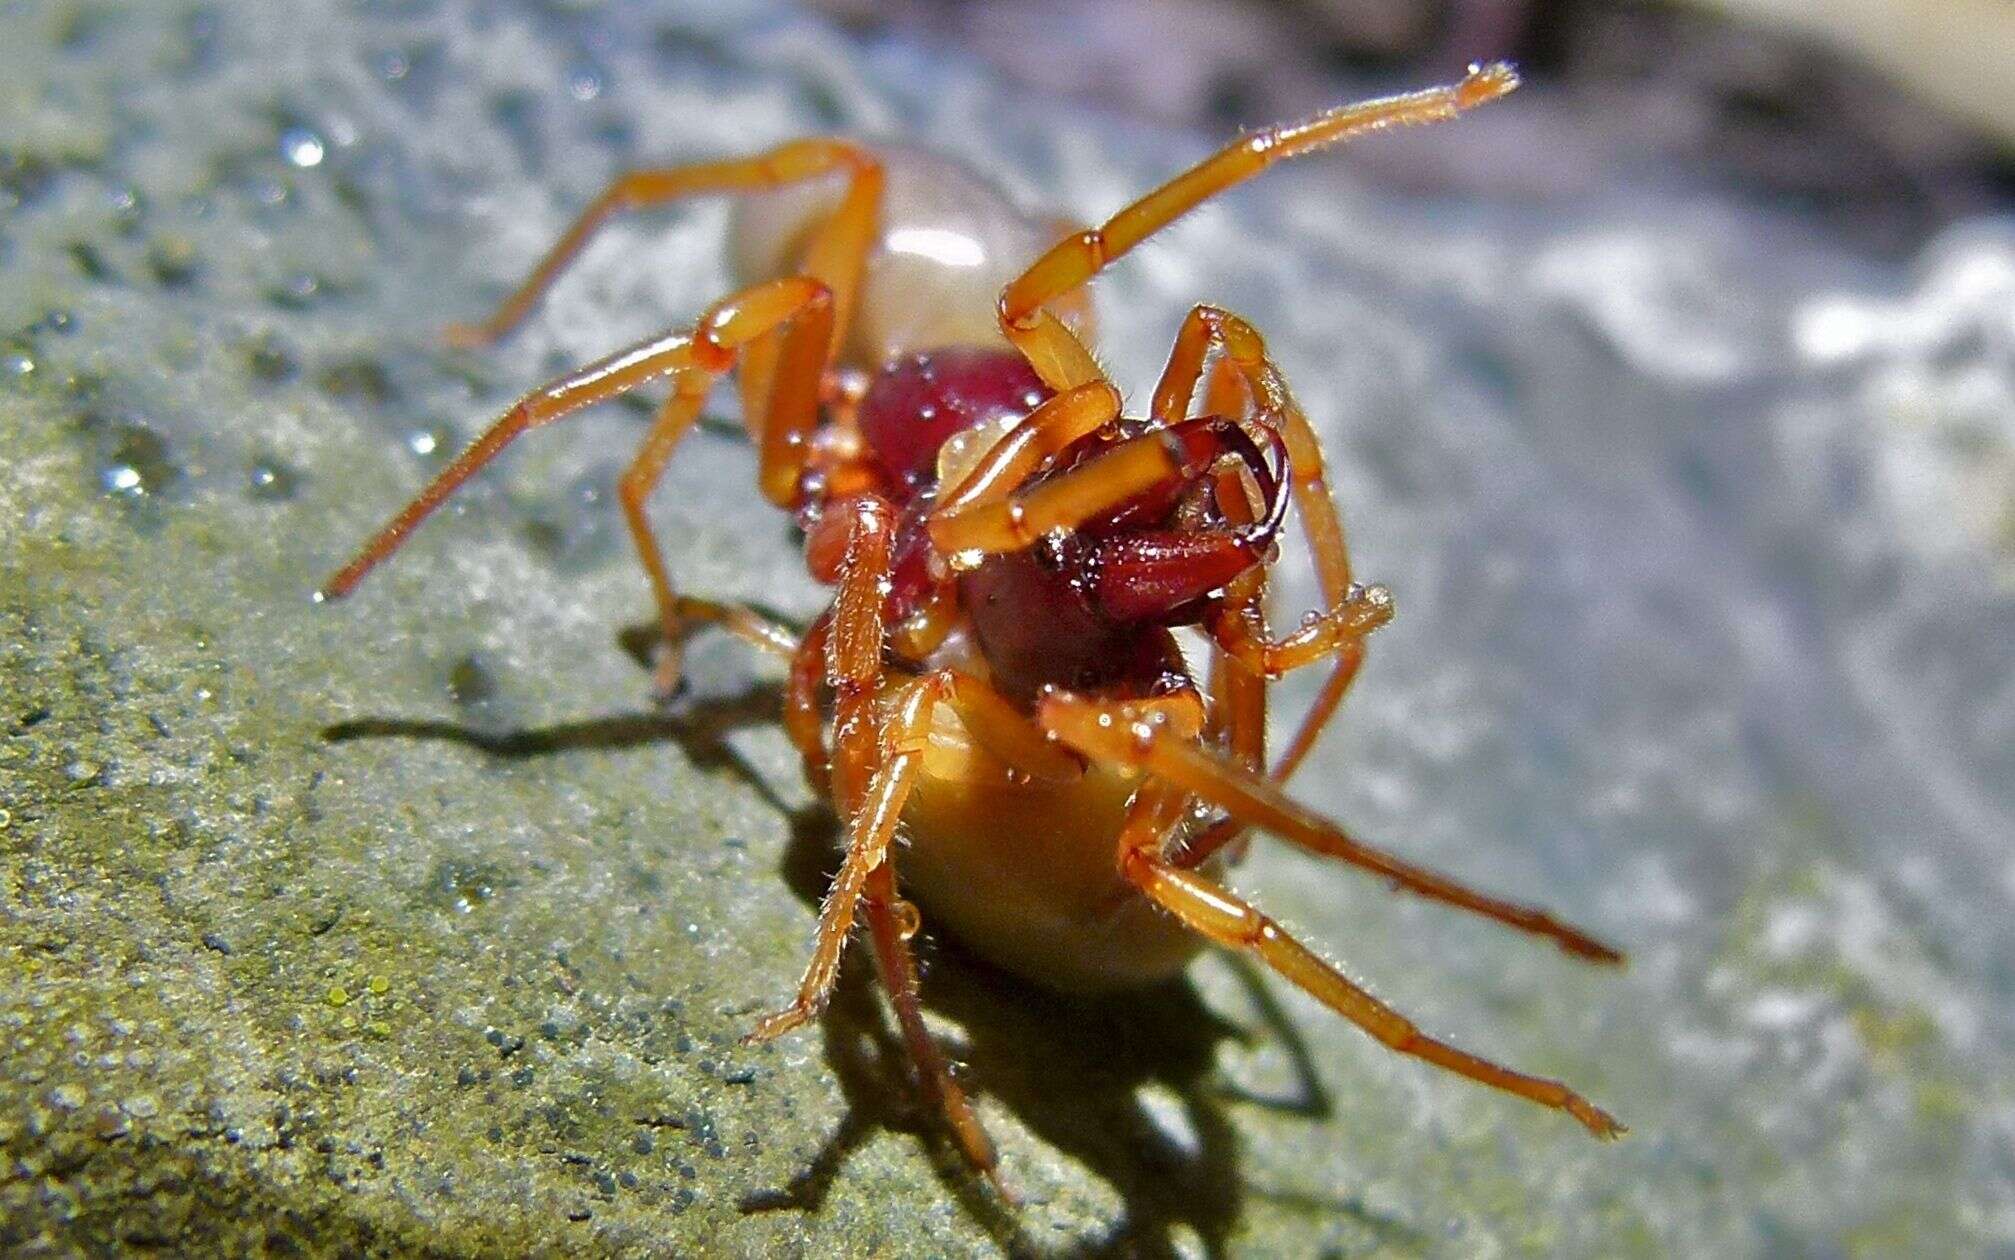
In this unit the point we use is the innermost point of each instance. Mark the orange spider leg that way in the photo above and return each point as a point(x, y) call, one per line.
point(1212, 911)
point(910, 708)
point(804, 721)
point(1049, 345)
point(994, 525)
point(799, 305)
point(874, 766)
point(803, 319)
point(1216, 913)
point(1238, 709)
point(742, 621)
point(1224, 391)
point(1238, 712)
point(1237, 691)
point(1132, 736)
point(865, 786)
point(837, 254)
point(870, 829)
point(1240, 345)
point(1240, 631)
point(1059, 421)
point(891, 921)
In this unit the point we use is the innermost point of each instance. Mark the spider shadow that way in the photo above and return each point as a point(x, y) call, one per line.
point(1073, 1071)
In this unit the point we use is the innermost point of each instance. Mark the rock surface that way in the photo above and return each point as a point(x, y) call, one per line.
point(408, 925)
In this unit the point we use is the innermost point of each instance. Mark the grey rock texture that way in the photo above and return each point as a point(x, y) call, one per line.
point(408, 926)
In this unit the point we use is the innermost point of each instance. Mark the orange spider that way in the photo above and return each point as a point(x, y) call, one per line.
point(996, 674)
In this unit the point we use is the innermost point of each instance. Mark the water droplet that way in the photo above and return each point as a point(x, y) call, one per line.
point(908, 919)
point(272, 481)
point(360, 380)
point(136, 462)
point(301, 147)
point(123, 201)
point(296, 290)
point(584, 83)
point(15, 362)
point(172, 259)
point(269, 360)
point(463, 887)
point(469, 681)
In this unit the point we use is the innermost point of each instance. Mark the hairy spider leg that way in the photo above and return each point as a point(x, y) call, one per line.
point(1131, 735)
point(1118, 733)
point(871, 824)
point(853, 670)
point(801, 310)
point(1057, 354)
point(909, 708)
point(798, 305)
point(875, 763)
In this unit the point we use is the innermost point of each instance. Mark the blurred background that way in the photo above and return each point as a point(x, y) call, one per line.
point(1886, 119)
point(1673, 397)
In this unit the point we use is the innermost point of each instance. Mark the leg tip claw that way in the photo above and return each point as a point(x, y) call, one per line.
point(1591, 950)
point(1485, 83)
point(667, 672)
point(1604, 1126)
point(771, 1027)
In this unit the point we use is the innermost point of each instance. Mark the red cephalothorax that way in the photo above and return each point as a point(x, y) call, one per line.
point(916, 402)
point(996, 673)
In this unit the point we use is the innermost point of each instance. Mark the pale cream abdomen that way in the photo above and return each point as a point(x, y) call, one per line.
point(949, 242)
point(1024, 874)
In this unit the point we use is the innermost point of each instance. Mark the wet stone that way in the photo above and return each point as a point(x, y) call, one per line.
point(1691, 509)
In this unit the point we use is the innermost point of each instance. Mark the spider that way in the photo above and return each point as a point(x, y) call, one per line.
point(995, 678)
